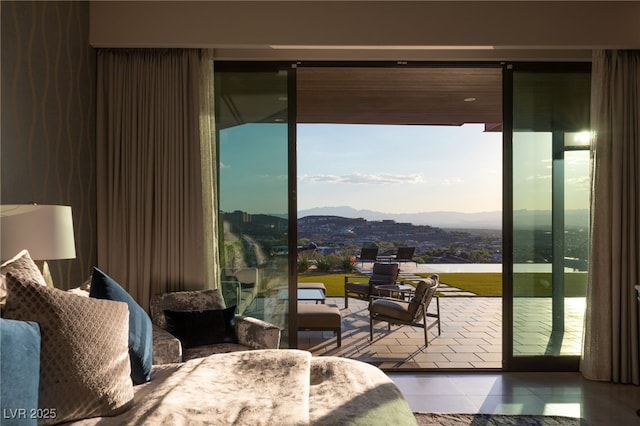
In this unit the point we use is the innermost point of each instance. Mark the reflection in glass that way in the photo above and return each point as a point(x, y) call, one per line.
point(550, 212)
point(253, 193)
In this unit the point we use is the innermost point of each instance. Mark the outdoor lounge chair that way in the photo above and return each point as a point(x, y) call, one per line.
point(413, 313)
point(405, 254)
point(382, 274)
point(368, 254)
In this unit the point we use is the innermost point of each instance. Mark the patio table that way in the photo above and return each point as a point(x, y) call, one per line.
point(398, 291)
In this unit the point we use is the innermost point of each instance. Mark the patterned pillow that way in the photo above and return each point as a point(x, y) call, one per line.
point(21, 267)
point(84, 358)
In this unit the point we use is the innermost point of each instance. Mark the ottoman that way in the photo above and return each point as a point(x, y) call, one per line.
point(320, 317)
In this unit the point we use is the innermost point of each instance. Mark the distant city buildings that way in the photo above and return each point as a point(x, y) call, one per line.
point(433, 245)
point(333, 234)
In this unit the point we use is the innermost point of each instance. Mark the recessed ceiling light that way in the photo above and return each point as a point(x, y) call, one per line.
point(469, 99)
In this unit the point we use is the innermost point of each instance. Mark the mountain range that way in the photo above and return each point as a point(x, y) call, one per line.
point(444, 219)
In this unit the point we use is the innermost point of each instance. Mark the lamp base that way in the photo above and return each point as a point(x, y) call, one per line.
point(43, 266)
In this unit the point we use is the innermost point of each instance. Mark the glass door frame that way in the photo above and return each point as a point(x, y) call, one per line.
point(510, 362)
point(293, 203)
point(289, 68)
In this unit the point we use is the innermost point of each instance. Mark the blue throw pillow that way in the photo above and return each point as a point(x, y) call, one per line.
point(20, 371)
point(140, 328)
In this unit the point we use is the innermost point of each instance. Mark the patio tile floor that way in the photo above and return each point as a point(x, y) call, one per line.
point(465, 342)
point(471, 334)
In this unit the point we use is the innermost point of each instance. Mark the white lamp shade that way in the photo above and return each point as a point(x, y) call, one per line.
point(45, 231)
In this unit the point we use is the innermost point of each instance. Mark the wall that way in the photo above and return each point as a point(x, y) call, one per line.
point(48, 119)
point(396, 30)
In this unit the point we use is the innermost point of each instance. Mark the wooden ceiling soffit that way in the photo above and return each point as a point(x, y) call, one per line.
point(420, 96)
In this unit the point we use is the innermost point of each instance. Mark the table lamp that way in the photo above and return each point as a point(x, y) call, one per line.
point(46, 231)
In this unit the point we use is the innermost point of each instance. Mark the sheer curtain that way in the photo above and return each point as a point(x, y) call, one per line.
point(156, 207)
point(611, 345)
point(209, 167)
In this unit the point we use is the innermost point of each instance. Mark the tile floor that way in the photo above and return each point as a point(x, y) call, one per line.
point(561, 394)
point(465, 342)
point(471, 334)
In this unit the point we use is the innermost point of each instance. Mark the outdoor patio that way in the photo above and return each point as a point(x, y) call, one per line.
point(471, 334)
point(471, 337)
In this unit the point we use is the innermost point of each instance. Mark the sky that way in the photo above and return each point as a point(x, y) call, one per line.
point(400, 169)
point(393, 169)
point(390, 169)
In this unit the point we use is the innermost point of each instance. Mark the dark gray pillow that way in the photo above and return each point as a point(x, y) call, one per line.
point(198, 328)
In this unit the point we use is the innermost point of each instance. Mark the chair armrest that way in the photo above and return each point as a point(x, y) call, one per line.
point(353, 278)
point(167, 348)
point(372, 298)
point(256, 333)
point(393, 299)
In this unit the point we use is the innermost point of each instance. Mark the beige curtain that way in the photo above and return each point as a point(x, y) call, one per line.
point(209, 166)
point(156, 227)
point(611, 345)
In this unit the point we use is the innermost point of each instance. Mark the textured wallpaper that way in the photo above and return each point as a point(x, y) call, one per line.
point(47, 149)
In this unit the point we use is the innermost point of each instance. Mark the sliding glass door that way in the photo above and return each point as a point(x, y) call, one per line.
point(254, 188)
point(545, 202)
point(548, 159)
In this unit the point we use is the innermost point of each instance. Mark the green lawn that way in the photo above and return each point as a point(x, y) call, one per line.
point(483, 284)
point(333, 282)
point(486, 284)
